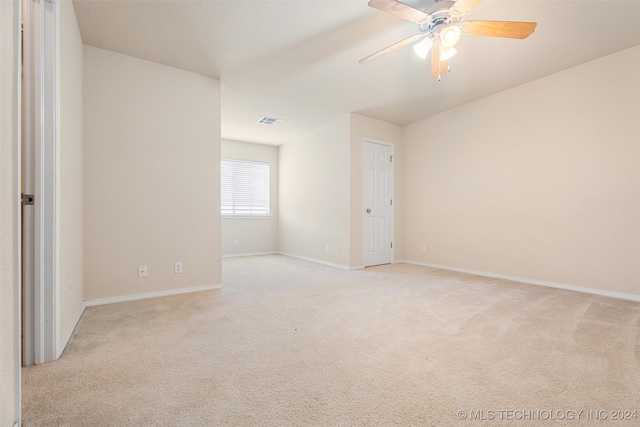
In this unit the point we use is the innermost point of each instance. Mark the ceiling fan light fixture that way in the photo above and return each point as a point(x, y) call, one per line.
point(449, 36)
point(447, 52)
point(423, 47)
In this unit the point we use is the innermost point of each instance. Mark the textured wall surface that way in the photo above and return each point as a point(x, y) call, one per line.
point(71, 181)
point(539, 182)
point(151, 176)
point(314, 194)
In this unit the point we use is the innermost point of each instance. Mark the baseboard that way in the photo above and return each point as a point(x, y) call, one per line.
point(249, 254)
point(135, 297)
point(599, 292)
point(317, 261)
point(313, 260)
point(65, 340)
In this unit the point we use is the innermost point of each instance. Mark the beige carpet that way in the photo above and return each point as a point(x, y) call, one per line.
point(290, 343)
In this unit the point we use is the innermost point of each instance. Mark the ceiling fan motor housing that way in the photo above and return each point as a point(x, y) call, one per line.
point(437, 21)
point(430, 7)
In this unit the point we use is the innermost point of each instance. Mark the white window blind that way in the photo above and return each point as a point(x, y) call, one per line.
point(245, 188)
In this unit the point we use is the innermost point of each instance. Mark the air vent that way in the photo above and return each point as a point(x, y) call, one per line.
point(269, 121)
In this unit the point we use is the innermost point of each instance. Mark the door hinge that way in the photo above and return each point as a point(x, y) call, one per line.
point(27, 199)
point(391, 245)
point(390, 159)
point(391, 202)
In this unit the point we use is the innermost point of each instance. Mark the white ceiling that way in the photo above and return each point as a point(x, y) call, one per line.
point(298, 59)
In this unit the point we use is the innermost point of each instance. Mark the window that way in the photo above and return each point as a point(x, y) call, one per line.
point(245, 188)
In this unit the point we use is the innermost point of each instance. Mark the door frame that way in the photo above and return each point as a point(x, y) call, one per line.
point(391, 184)
point(17, 209)
point(41, 108)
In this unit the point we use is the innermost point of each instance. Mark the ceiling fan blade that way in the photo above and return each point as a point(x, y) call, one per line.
point(393, 47)
point(506, 29)
point(438, 68)
point(399, 9)
point(463, 6)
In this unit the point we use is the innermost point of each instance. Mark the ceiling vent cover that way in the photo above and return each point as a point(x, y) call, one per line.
point(269, 121)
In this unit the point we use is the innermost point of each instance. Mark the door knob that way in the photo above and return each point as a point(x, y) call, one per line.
point(368, 210)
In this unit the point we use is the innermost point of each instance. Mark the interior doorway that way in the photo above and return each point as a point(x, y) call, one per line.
point(378, 210)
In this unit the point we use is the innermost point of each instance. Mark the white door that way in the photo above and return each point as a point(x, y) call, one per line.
point(377, 187)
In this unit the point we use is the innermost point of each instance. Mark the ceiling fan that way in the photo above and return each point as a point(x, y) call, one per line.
point(440, 27)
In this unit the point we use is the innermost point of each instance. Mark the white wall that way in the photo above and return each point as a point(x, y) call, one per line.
point(8, 326)
point(315, 196)
point(71, 295)
point(539, 182)
point(321, 190)
point(361, 127)
point(151, 176)
point(254, 235)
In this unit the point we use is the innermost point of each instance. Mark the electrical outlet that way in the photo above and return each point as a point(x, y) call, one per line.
point(327, 249)
point(177, 267)
point(142, 271)
point(423, 248)
point(236, 243)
